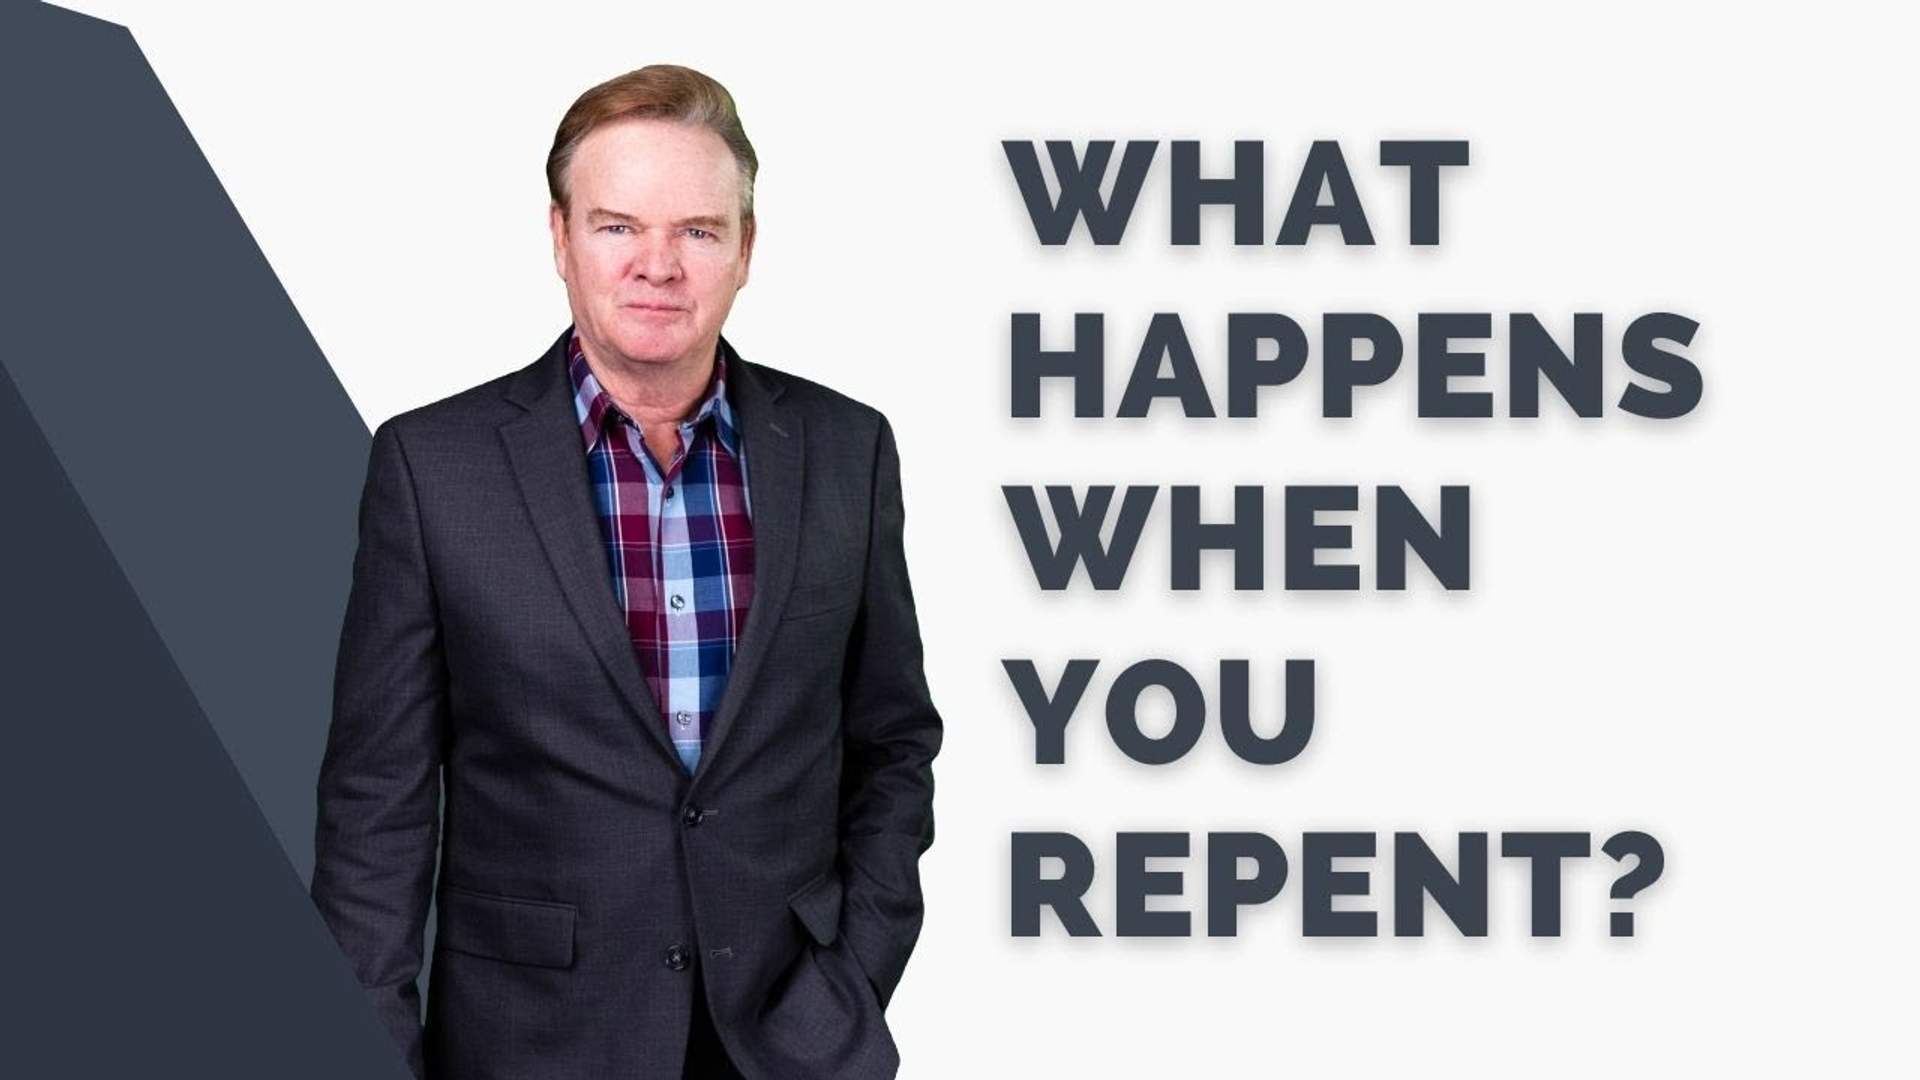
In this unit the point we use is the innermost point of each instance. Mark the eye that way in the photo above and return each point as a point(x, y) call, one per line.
point(610, 228)
point(697, 233)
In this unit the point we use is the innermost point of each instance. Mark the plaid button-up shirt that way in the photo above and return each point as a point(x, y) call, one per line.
point(679, 544)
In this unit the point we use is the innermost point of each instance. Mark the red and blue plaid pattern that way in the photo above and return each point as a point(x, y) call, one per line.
point(679, 544)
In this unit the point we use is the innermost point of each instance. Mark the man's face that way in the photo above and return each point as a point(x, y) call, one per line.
point(653, 248)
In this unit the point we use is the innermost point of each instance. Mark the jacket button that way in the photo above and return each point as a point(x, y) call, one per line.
point(690, 816)
point(678, 957)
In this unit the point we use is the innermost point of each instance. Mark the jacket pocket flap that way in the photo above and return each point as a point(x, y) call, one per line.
point(818, 599)
point(817, 903)
point(503, 928)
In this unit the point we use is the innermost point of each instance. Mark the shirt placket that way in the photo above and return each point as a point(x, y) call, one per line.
point(679, 609)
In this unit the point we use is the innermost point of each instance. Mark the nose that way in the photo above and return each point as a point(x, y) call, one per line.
point(655, 258)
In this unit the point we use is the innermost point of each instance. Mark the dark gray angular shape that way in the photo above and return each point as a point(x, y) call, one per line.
point(182, 471)
point(153, 925)
point(194, 414)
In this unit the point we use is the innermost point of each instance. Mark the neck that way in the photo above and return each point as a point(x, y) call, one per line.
point(653, 392)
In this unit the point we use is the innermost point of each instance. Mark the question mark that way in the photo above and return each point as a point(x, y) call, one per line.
point(1649, 862)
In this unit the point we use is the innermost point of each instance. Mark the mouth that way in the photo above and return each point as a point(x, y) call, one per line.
point(653, 308)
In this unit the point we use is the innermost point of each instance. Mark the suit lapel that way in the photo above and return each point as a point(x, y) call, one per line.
point(550, 464)
point(775, 449)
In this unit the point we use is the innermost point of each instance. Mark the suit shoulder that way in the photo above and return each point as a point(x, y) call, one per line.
point(824, 403)
point(475, 410)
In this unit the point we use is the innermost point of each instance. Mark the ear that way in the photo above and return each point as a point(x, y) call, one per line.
point(557, 223)
point(747, 233)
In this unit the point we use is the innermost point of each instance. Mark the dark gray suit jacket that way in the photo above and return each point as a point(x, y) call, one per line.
point(582, 873)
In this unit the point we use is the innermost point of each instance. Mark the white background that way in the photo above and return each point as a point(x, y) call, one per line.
point(1698, 628)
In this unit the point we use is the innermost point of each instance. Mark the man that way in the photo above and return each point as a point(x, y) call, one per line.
point(644, 605)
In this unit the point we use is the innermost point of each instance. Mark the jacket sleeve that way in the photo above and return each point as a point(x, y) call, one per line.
point(377, 834)
point(891, 735)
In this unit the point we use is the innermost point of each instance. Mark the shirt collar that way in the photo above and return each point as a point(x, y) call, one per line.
point(591, 403)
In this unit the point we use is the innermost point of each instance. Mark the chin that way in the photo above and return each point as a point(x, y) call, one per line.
point(652, 348)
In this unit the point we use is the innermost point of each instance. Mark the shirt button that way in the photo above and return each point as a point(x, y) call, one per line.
point(690, 816)
point(677, 602)
point(683, 718)
point(678, 957)
point(668, 493)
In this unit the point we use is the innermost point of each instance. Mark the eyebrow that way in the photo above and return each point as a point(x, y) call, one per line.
point(597, 212)
point(704, 221)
